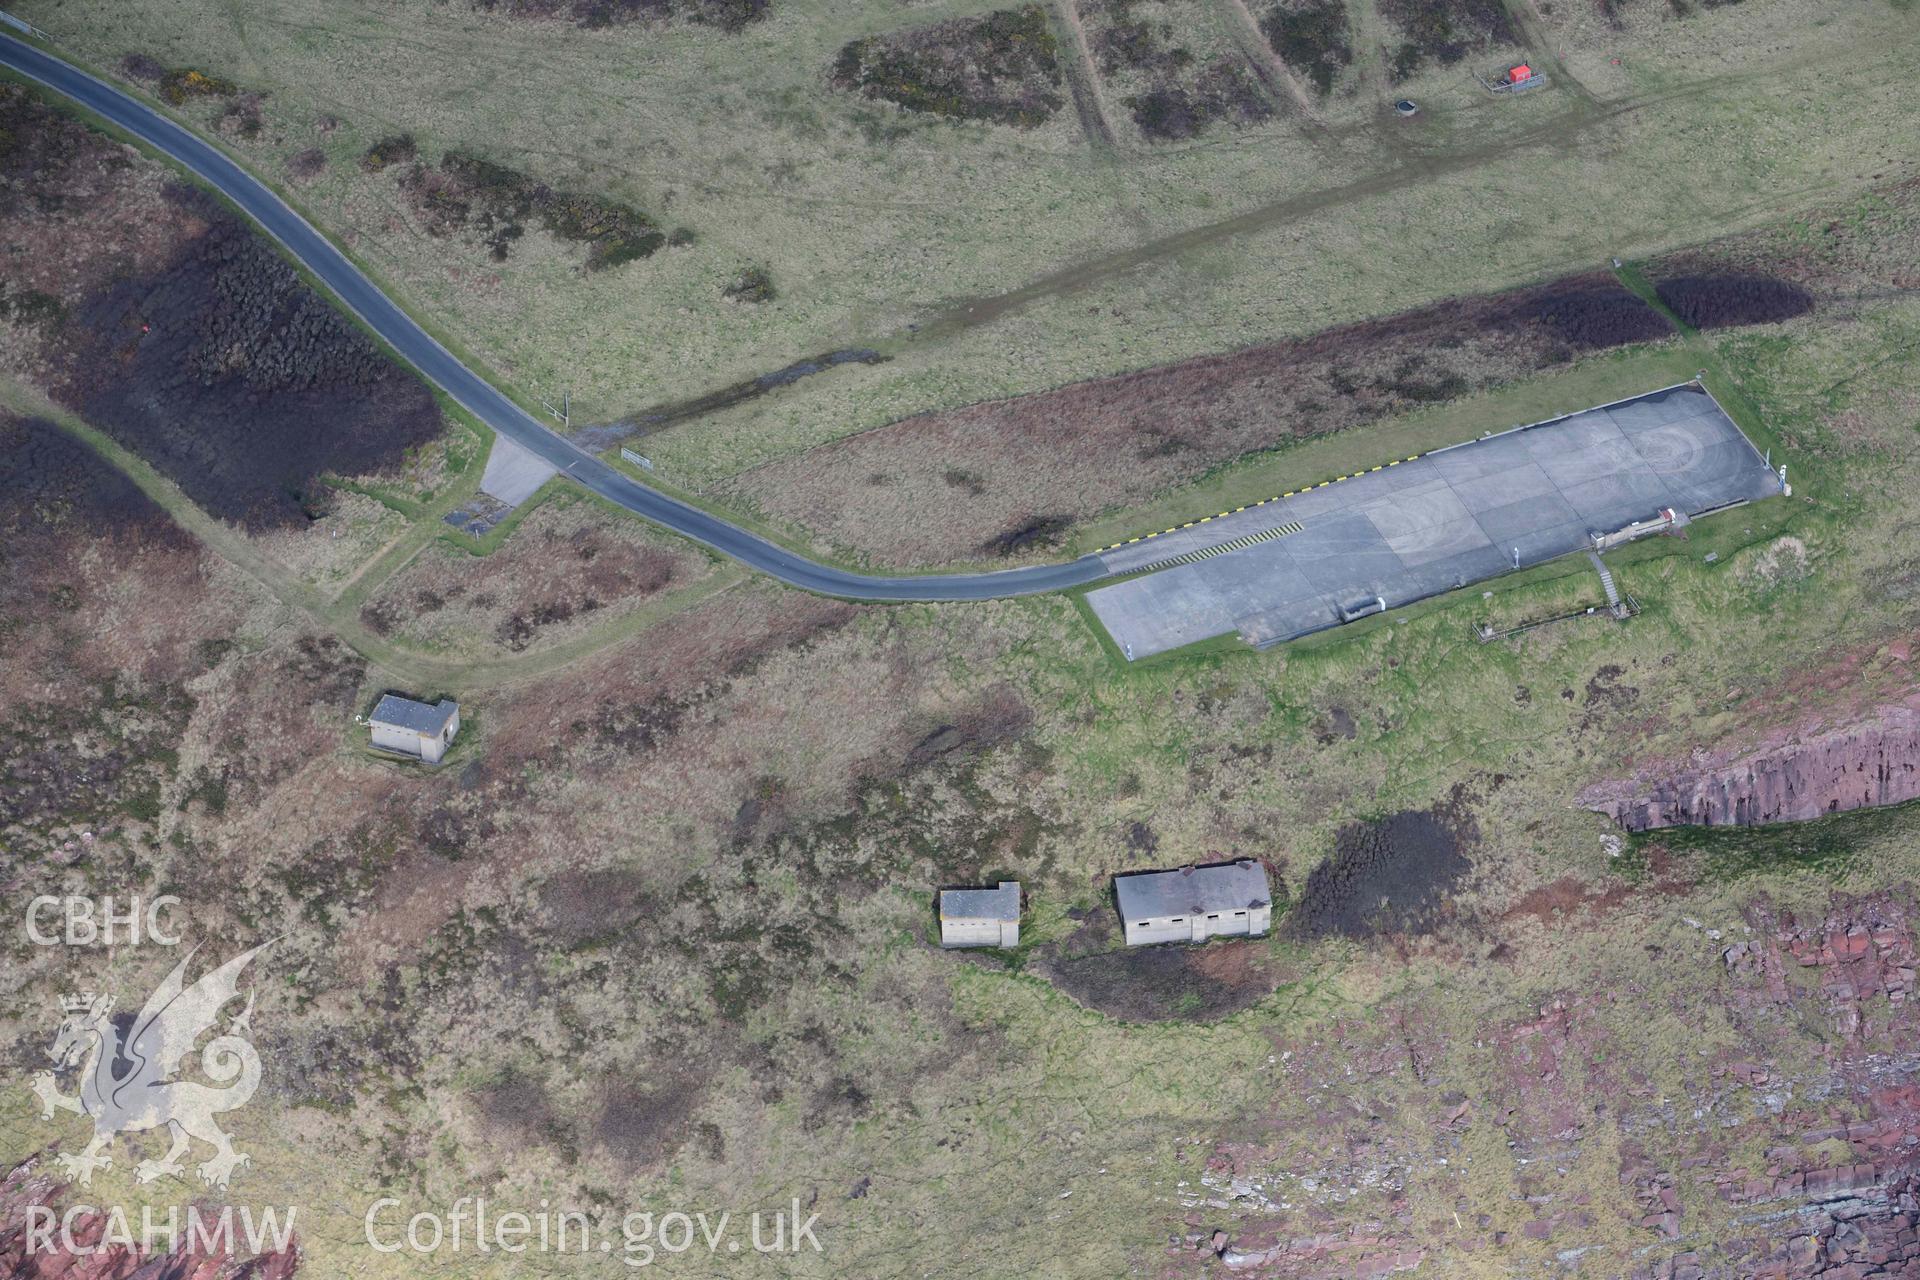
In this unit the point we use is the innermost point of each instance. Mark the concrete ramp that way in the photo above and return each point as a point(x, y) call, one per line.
point(513, 473)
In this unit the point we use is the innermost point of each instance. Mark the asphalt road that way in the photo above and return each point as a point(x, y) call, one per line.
point(479, 397)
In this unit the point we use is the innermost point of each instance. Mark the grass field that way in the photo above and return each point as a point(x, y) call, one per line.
point(851, 205)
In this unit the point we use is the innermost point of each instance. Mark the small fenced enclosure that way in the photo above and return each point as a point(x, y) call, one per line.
point(1505, 83)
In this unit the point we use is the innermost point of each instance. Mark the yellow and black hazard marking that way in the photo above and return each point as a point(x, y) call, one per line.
point(1251, 506)
point(1238, 544)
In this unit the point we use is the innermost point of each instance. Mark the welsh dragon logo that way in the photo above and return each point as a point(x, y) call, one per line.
point(150, 1051)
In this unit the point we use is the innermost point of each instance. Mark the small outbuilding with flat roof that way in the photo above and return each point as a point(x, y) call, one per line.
point(1195, 903)
point(981, 917)
point(412, 728)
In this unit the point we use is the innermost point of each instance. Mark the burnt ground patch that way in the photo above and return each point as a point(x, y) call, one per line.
point(728, 15)
point(1594, 316)
point(1834, 259)
point(52, 486)
point(1170, 983)
point(466, 193)
point(1725, 300)
point(1176, 93)
point(1223, 92)
point(1443, 31)
point(643, 1120)
point(1037, 464)
point(219, 369)
point(1391, 875)
point(1314, 37)
point(1002, 67)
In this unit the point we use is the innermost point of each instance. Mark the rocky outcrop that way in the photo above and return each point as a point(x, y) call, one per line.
point(1788, 1148)
point(1790, 778)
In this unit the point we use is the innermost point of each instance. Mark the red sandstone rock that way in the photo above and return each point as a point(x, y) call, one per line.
point(1789, 778)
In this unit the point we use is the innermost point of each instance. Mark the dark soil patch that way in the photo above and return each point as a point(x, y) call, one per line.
point(1002, 67)
point(837, 1105)
point(138, 66)
point(1311, 36)
point(521, 1109)
point(329, 673)
point(1168, 983)
point(29, 307)
point(307, 165)
point(221, 370)
point(754, 284)
point(1337, 725)
point(728, 15)
point(1444, 31)
point(241, 117)
point(663, 416)
point(451, 832)
point(1606, 695)
point(1851, 250)
point(1039, 463)
point(1388, 876)
point(583, 907)
point(467, 193)
point(1043, 532)
point(997, 718)
point(1723, 301)
point(398, 148)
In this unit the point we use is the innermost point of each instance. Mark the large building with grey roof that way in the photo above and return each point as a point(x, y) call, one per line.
point(1195, 903)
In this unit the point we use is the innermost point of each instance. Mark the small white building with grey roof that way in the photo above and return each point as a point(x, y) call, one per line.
point(981, 917)
point(422, 729)
point(1193, 904)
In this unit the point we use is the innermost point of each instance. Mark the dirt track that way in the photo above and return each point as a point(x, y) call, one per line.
point(1568, 127)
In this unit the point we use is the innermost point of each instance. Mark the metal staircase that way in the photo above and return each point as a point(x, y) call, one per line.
point(1606, 581)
